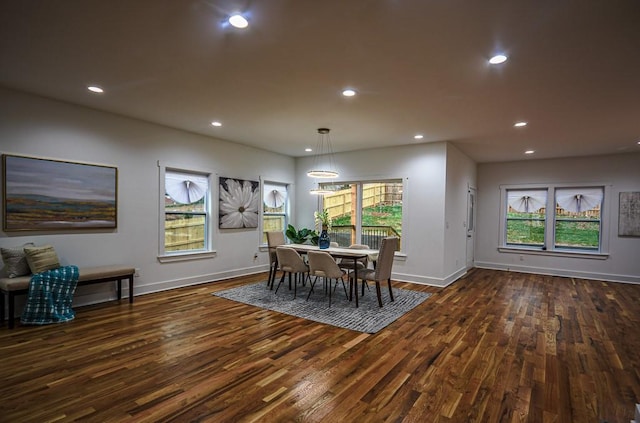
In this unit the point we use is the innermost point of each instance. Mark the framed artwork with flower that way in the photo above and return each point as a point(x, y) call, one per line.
point(239, 203)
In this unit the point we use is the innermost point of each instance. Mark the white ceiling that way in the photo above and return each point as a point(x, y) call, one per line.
point(419, 66)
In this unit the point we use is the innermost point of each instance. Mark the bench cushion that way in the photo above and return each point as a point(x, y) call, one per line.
point(86, 274)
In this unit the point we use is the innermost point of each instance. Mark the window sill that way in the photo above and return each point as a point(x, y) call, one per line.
point(400, 256)
point(170, 258)
point(555, 253)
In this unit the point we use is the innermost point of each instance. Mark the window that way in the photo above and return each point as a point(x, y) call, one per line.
point(577, 218)
point(526, 217)
point(184, 212)
point(554, 218)
point(364, 212)
point(274, 208)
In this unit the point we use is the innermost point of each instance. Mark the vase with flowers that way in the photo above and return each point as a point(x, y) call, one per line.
point(323, 219)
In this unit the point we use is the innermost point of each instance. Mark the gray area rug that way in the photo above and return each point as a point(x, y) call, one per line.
point(368, 317)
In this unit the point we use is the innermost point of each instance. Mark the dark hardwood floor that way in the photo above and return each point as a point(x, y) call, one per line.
point(492, 347)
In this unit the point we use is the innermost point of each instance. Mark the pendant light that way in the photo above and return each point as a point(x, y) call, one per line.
point(323, 151)
point(320, 191)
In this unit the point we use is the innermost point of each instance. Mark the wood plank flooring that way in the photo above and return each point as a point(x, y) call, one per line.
point(492, 347)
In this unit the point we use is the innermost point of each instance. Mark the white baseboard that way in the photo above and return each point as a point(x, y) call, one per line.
point(560, 272)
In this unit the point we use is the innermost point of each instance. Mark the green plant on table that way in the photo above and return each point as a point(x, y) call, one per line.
point(322, 218)
point(301, 236)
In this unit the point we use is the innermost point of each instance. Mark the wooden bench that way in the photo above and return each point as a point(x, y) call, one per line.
point(88, 275)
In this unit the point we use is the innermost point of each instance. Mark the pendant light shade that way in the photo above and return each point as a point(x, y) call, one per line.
point(320, 191)
point(324, 152)
point(322, 174)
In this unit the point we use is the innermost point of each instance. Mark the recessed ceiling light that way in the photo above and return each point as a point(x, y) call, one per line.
point(497, 59)
point(216, 123)
point(418, 136)
point(520, 124)
point(349, 92)
point(529, 152)
point(238, 21)
point(95, 89)
point(308, 150)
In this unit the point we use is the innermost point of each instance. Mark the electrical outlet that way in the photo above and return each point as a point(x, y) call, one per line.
point(137, 272)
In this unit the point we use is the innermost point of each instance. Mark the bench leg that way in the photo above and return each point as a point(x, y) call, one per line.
point(1, 308)
point(119, 289)
point(130, 289)
point(12, 309)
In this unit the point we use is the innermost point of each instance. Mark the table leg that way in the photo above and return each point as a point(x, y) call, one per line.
point(355, 278)
point(351, 289)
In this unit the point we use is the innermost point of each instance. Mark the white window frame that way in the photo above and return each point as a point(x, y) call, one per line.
point(549, 248)
point(287, 206)
point(359, 183)
point(532, 191)
point(208, 251)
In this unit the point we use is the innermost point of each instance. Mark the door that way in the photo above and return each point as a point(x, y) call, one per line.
point(471, 227)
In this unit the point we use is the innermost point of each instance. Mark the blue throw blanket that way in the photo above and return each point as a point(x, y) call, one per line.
point(50, 296)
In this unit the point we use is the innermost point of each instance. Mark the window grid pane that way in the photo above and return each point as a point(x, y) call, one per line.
point(522, 231)
point(184, 232)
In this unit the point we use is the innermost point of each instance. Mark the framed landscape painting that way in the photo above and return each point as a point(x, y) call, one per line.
point(46, 194)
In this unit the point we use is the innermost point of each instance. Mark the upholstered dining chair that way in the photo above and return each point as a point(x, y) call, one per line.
point(360, 263)
point(382, 272)
point(274, 239)
point(322, 265)
point(291, 264)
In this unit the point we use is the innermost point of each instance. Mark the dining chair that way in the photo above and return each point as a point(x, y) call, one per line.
point(274, 239)
point(361, 263)
point(382, 271)
point(291, 263)
point(323, 265)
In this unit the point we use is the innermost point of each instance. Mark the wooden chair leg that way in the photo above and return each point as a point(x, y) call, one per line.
point(390, 291)
point(379, 293)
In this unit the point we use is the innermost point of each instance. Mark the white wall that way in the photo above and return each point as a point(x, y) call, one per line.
point(461, 175)
point(424, 169)
point(620, 172)
point(35, 126)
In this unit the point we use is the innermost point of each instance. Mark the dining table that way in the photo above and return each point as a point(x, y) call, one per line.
point(342, 253)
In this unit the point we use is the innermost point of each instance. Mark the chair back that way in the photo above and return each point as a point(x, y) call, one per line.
point(323, 264)
point(384, 263)
point(359, 246)
point(274, 239)
point(364, 261)
point(290, 261)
